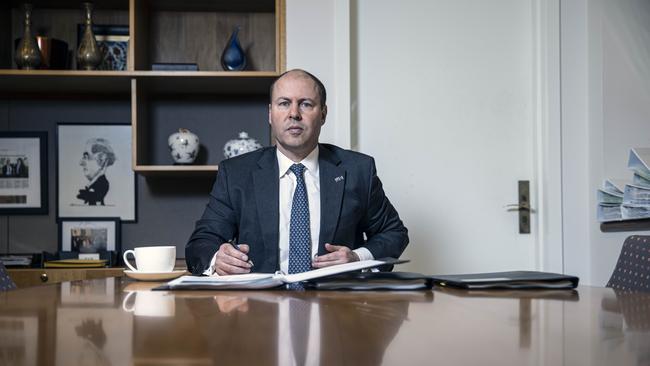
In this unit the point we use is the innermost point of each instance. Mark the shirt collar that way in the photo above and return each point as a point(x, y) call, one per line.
point(310, 162)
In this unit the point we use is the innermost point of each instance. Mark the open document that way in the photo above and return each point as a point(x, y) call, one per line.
point(253, 281)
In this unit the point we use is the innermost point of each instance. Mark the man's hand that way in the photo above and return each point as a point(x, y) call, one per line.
point(228, 304)
point(232, 261)
point(339, 254)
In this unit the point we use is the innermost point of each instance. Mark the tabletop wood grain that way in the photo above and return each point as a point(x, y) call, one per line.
point(117, 321)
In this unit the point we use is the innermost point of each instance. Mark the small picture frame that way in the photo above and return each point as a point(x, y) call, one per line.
point(77, 292)
point(95, 177)
point(23, 173)
point(113, 42)
point(85, 235)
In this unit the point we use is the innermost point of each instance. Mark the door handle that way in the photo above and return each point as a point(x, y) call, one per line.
point(523, 207)
point(519, 207)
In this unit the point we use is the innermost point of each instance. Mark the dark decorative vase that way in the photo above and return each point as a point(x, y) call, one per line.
point(233, 57)
point(28, 56)
point(89, 56)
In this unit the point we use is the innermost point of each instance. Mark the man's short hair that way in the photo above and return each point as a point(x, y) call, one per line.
point(103, 148)
point(320, 88)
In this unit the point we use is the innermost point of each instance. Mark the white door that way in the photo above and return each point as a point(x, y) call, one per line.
point(447, 101)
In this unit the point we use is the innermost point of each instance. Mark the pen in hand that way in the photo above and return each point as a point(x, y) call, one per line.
point(234, 245)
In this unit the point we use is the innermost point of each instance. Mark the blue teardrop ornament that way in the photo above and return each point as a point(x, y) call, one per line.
point(233, 57)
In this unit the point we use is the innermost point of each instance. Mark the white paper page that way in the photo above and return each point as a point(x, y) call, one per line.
point(617, 186)
point(639, 160)
point(339, 268)
point(245, 281)
point(248, 277)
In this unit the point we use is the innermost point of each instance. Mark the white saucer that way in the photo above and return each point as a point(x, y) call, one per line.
point(154, 276)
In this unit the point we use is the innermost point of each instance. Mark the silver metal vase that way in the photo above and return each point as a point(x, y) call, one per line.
point(28, 55)
point(89, 56)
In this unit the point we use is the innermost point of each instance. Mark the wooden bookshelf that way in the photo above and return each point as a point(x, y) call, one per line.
point(171, 31)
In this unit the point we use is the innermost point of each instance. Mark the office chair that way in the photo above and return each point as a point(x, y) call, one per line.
point(632, 271)
point(6, 283)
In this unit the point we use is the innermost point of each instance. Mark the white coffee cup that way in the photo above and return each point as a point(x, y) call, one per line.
point(150, 303)
point(152, 259)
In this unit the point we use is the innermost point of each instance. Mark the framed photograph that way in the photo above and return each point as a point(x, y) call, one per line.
point(113, 41)
point(23, 173)
point(86, 235)
point(94, 173)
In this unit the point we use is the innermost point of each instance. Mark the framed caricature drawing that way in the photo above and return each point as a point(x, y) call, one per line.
point(94, 173)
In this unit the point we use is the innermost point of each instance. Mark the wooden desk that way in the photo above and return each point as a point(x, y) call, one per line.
point(120, 322)
point(25, 277)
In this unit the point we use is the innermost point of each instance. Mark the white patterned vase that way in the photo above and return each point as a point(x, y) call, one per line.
point(184, 146)
point(240, 146)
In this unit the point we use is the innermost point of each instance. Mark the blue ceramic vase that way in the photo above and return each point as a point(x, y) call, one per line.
point(233, 57)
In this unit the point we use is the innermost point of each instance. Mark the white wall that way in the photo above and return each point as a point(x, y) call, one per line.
point(476, 62)
point(318, 39)
point(605, 105)
point(606, 111)
point(446, 105)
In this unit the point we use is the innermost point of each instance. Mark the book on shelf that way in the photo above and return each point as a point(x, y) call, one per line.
point(269, 280)
point(16, 260)
point(75, 263)
point(168, 66)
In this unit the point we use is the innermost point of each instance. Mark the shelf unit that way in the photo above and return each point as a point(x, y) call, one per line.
point(160, 31)
point(626, 225)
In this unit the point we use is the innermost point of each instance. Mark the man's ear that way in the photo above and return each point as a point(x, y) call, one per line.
point(323, 115)
point(101, 159)
point(269, 113)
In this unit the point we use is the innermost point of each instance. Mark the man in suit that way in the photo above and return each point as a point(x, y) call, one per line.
point(96, 158)
point(20, 169)
point(278, 200)
point(8, 169)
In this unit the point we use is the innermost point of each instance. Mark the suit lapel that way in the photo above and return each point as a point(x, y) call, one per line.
point(332, 184)
point(266, 183)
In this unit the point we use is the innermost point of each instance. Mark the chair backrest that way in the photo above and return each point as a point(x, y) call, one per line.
point(6, 283)
point(632, 271)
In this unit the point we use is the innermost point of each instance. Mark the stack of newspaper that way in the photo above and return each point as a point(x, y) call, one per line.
point(618, 200)
point(610, 198)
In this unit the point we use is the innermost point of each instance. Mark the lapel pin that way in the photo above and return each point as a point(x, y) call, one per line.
point(338, 179)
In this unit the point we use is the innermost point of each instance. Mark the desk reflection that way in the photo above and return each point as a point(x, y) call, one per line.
point(625, 320)
point(122, 322)
point(332, 327)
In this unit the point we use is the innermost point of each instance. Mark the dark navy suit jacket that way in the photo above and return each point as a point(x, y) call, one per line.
point(244, 206)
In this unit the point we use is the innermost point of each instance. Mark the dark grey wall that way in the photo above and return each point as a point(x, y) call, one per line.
point(167, 206)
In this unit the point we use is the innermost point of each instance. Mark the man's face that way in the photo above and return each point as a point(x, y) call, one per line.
point(89, 164)
point(295, 115)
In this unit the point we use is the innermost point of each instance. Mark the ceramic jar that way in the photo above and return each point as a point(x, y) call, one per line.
point(184, 146)
point(240, 146)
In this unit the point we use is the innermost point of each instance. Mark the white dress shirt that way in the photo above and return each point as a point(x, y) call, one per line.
point(286, 355)
point(287, 188)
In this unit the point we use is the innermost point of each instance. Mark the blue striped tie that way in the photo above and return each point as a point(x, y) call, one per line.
point(299, 232)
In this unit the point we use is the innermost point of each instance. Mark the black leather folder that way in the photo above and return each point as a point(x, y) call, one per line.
point(508, 280)
point(366, 281)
